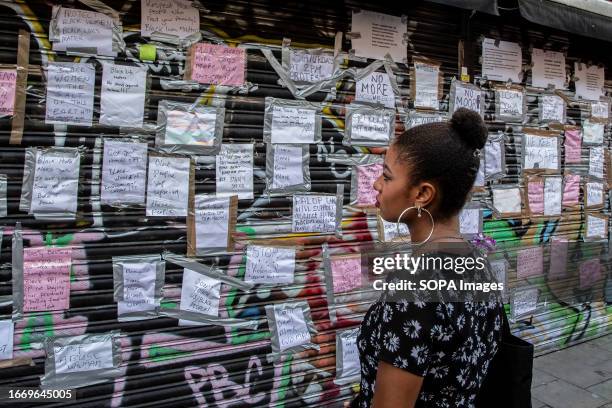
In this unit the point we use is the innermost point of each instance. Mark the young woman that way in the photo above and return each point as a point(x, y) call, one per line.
point(428, 354)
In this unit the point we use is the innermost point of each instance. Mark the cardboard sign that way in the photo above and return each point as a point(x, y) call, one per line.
point(83, 30)
point(75, 358)
point(216, 64)
point(548, 69)
point(123, 95)
point(8, 84)
point(168, 186)
point(313, 213)
point(199, 294)
point(366, 177)
point(212, 219)
point(269, 264)
point(375, 88)
point(501, 60)
point(174, 17)
point(379, 35)
point(306, 66)
point(70, 93)
point(291, 327)
point(46, 278)
point(346, 273)
point(124, 172)
point(235, 171)
point(293, 125)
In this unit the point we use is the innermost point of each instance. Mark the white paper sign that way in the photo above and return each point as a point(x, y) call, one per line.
point(291, 327)
point(596, 162)
point(124, 172)
point(510, 103)
point(211, 221)
point(480, 175)
point(466, 97)
point(371, 126)
point(600, 110)
point(190, 128)
point(493, 158)
point(288, 168)
point(390, 230)
point(553, 193)
point(313, 213)
point(310, 67)
point(168, 186)
point(82, 30)
point(175, 17)
point(524, 302)
point(589, 81)
point(293, 125)
point(375, 87)
point(501, 60)
point(469, 221)
point(199, 294)
point(56, 182)
point(594, 194)
point(541, 152)
point(70, 93)
point(553, 107)
point(548, 68)
point(507, 200)
point(426, 91)
point(498, 268)
point(592, 132)
point(6, 339)
point(379, 34)
point(74, 358)
point(138, 287)
point(123, 95)
point(235, 171)
point(596, 227)
point(350, 356)
point(417, 118)
point(269, 264)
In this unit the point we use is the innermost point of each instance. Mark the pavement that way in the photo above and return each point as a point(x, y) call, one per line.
point(575, 377)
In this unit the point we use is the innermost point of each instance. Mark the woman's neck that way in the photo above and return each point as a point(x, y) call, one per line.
point(421, 227)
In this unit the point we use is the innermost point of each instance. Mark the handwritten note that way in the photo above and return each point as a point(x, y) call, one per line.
point(290, 326)
point(70, 93)
point(73, 358)
point(524, 302)
point(167, 186)
point(599, 110)
point(470, 221)
point(596, 162)
point(218, 64)
point(590, 273)
point(46, 278)
point(376, 88)
point(535, 195)
point(55, 183)
point(313, 213)
point(501, 60)
point(558, 259)
point(366, 176)
point(418, 118)
point(594, 194)
point(346, 273)
point(548, 69)
point(467, 97)
point(553, 109)
point(379, 35)
point(529, 262)
point(426, 85)
point(390, 232)
point(507, 200)
point(293, 124)
point(350, 355)
point(288, 166)
point(211, 221)
point(83, 30)
point(589, 81)
point(371, 126)
point(540, 152)
point(308, 66)
point(571, 190)
point(493, 158)
point(138, 287)
point(190, 128)
point(480, 175)
point(175, 17)
point(552, 195)
point(597, 227)
point(592, 132)
point(269, 264)
point(8, 84)
point(510, 104)
point(6, 339)
point(498, 268)
point(573, 146)
point(123, 95)
point(124, 171)
point(235, 171)
point(199, 294)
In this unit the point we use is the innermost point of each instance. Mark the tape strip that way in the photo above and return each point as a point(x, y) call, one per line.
point(23, 56)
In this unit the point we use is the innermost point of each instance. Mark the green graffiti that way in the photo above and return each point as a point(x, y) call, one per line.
point(59, 241)
point(239, 338)
point(286, 378)
point(169, 305)
point(159, 353)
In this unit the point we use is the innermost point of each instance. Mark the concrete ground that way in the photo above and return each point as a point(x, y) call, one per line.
point(576, 377)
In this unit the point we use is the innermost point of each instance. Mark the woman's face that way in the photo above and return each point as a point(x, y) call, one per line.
point(394, 191)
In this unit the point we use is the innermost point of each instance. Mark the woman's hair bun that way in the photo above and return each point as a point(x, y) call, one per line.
point(470, 127)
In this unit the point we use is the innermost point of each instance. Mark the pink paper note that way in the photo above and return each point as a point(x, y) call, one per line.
point(535, 193)
point(218, 65)
point(346, 273)
point(46, 278)
point(590, 273)
point(558, 259)
point(573, 146)
point(571, 190)
point(366, 176)
point(8, 83)
point(529, 262)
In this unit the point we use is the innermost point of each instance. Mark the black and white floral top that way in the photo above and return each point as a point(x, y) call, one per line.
point(449, 344)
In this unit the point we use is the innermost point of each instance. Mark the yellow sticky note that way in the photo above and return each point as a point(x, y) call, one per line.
point(148, 52)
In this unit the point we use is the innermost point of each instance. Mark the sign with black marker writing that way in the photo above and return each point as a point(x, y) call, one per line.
point(288, 167)
point(168, 186)
point(375, 88)
point(291, 326)
point(548, 68)
point(124, 172)
point(313, 213)
point(553, 108)
point(6, 339)
point(269, 264)
point(291, 124)
point(308, 66)
point(123, 95)
point(370, 126)
point(70, 93)
point(82, 30)
point(55, 183)
point(467, 97)
point(74, 358)
point(174, 17)
point(211, 221)
point(199, 294)
point(541, 152)
point(235, 171)
point(426, 85)
point(138, 287)
point(510, 103)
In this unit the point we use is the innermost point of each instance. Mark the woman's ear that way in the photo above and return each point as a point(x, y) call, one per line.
point(426, 194)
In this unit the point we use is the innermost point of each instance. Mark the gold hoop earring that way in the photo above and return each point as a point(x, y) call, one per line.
point(418, 208)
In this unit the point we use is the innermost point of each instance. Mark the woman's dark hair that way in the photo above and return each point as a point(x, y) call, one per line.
point(445, 154)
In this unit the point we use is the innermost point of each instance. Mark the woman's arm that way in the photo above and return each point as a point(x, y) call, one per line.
point(395, 387)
